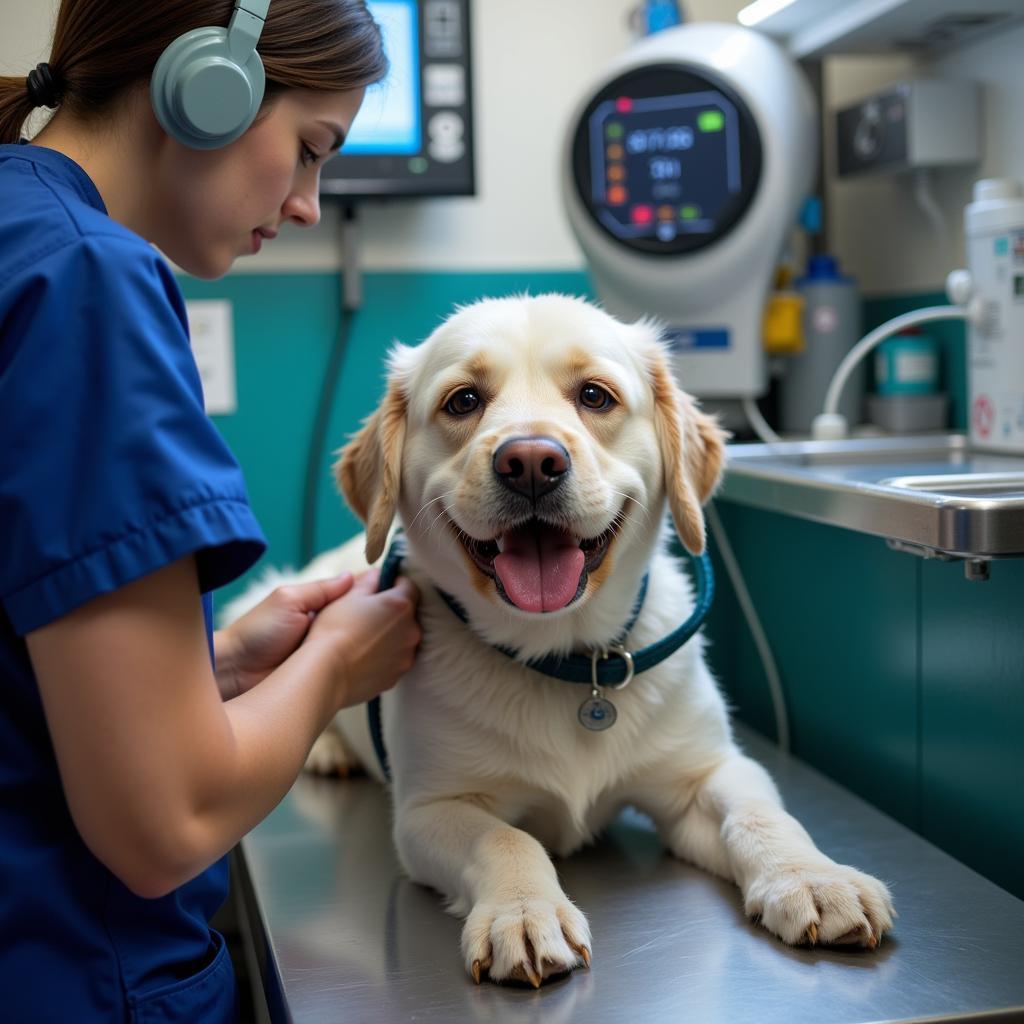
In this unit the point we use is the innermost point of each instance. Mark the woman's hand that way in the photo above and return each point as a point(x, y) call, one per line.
point(369, 637)
point(253, 646)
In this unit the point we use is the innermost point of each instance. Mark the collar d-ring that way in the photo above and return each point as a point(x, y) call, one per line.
point(603, 653)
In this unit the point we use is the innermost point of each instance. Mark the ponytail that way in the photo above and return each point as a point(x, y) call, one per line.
point(20, 96)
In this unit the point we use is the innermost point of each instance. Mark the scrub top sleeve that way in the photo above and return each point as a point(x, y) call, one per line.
point(110, 468)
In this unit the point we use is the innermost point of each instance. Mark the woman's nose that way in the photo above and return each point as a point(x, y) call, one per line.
point(303, 204)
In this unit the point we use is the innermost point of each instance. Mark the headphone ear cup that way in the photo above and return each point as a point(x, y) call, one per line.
point(201, 95)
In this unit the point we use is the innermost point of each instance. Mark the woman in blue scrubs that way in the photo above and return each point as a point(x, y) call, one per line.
point(136, 745)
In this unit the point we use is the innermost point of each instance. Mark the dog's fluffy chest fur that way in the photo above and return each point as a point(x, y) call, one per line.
point(469, 720)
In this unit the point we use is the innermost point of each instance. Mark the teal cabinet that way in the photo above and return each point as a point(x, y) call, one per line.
point(904, 681)
point(972, 717)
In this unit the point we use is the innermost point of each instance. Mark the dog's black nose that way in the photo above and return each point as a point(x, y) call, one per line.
point(531, 466)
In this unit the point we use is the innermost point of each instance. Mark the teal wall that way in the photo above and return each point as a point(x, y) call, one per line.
point(284, 327)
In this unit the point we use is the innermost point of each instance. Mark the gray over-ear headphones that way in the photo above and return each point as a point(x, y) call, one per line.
point(207, 86)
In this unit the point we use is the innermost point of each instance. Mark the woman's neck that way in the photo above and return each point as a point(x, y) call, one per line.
point(118, 154)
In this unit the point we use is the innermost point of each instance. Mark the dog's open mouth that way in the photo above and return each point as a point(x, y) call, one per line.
point(537, 566)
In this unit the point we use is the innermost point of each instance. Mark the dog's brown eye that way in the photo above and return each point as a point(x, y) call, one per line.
point(463, 402)
point(595, 397)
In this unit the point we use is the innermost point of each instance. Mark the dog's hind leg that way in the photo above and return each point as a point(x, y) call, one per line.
point(521, 925)
point(736, 827)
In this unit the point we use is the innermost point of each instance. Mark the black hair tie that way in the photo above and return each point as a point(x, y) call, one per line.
point(42, 87)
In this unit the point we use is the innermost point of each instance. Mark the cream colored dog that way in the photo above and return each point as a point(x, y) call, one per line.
point(529, 447)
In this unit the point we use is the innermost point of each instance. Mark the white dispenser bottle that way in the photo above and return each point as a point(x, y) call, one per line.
point(994, 229)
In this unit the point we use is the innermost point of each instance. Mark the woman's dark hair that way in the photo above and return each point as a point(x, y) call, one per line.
point(103, 47)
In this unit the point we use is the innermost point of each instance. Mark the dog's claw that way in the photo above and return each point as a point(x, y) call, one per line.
point(476, 971)
point(531, 973)
point(585, 953)
point(812, 933)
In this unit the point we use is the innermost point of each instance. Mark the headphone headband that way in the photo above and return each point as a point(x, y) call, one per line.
point(245, 27)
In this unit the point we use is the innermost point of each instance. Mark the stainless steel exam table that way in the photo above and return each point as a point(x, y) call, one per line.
point(340, 935)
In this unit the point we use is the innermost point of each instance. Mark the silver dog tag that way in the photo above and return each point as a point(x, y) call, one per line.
point(596, 713)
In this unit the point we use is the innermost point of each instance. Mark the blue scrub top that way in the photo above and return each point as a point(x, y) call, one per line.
point(109, 469)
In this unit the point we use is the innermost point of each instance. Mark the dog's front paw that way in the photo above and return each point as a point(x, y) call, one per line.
point(330, 756)
point(821, 902)
point(525, 939)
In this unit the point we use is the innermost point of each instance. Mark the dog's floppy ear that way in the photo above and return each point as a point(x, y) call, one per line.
point(369, 469)
point(692, 452)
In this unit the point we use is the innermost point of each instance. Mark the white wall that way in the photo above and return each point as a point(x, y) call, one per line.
point(533, 60)
point(879, 232)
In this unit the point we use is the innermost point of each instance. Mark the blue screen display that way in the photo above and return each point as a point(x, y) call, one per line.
point(389, 119)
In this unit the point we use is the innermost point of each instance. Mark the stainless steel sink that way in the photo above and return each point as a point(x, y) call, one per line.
point(980, 485)
point(931, 494)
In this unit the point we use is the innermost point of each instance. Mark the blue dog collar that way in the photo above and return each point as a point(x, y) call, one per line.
point(597, 670)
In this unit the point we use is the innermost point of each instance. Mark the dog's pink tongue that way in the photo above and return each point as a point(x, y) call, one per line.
point(539, 567)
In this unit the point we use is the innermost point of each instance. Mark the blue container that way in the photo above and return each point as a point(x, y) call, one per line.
point(907, 364)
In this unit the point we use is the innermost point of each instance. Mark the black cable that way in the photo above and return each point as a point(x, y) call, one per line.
point(352, 299)
point(318, 439)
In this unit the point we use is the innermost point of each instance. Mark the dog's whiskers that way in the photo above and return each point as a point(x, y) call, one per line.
point(629, 497)
point(444, 511)
point(428, 503)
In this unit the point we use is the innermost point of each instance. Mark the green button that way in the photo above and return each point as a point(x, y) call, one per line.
point(711, 120)
point(689, 212)
point(613, 130)
point(418, 164)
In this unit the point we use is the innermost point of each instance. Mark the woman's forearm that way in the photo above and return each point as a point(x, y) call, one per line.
point(269, 731)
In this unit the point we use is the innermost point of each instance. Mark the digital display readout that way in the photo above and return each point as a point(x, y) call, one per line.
point(666, 158)
point(662, 166)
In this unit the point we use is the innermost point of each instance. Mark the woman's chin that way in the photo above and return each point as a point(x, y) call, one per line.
point(206, 266)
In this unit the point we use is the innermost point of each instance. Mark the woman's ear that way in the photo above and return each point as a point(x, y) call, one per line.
point(692, 452)
point(369, 469)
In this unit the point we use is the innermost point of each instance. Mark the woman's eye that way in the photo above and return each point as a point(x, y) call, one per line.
point(595, 397)
point(462, 402)
point(308, 156)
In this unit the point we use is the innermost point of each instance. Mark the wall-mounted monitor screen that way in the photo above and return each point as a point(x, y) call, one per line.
point(413, 135)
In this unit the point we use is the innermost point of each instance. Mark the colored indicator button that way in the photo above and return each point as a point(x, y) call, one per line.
point(623, 104)
point(616, 172)
point(711, 120)
point(418, 164)
point(641, 214)
point(689, 212)
point(614, 152)
point(666, 213)
point(617, 195)
point(613, 130)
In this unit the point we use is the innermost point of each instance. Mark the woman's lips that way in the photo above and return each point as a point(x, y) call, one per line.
point(258, 235)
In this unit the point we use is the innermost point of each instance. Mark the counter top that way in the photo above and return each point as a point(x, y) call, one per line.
point(931, 493)
point(349, 938)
